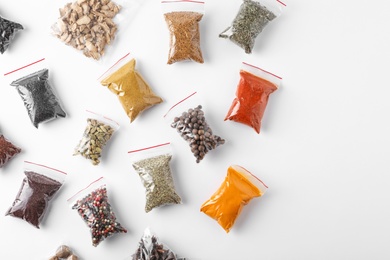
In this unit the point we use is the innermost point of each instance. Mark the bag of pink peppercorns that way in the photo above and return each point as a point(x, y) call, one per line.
point(94, 208)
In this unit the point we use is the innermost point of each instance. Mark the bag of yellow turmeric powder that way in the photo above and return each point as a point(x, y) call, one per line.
point(126, 82)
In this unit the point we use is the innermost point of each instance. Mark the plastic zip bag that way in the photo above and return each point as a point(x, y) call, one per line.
point(97, 133)
point(126, 82)
point(188, 118)
point(37, 94)
point(91, 25)
point(8, 29)
point(237, 190)
point(182, 18)
point(64, 252)
point(252, 95)
point(150, 248)
point(94, 208)
point(252, 17)
point(7, 150)
point(152, 165)
point(38, 188)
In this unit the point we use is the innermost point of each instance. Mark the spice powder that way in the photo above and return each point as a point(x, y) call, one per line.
point(132, 90)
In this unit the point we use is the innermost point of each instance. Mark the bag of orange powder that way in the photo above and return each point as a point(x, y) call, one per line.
point(239, 187)
point(252, 94)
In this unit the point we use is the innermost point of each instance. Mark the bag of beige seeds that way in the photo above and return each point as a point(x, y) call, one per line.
point(91, 25)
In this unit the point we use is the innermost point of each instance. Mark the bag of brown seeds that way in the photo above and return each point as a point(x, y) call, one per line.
point(183, 18)
point(252, 17)
point(92, 25)
point(38, 188)
point(97, 133)
point(153, 167)
point(93, 206)
point(64, 252)
point(188, 118)
point(7, 150)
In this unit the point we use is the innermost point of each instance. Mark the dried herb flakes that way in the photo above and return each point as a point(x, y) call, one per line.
point(8, 29)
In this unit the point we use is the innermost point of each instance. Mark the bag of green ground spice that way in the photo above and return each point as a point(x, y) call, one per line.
point(152, 166)
point(252, 17)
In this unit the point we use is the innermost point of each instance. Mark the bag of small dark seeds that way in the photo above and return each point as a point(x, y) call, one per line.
point(38, 95)
point(38, 188)
point(189, 120)
point(7, 150)
point(151, 248)
point(183, 18)
point(94, 208)
point(8, 29)
point(152, 165)
point(97, 133)
point(252, 17)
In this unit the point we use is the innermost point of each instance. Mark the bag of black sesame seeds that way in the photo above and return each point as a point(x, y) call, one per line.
point(94, 208)
point(188, 118)
point(8, 29)
point(153, 167)
point(38, 95)
point(252, 17)
point(150, 247)
point(38, 188)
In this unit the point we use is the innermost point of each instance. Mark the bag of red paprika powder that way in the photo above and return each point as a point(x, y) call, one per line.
point(252, 95)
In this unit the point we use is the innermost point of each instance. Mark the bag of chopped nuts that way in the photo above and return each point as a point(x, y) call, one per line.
point(91, 25)
point(188, 118)
point(94, 207)
point(132, 90)
point(97, 133)
point(36, 91)
point(183, 18)
point(150, 247)
point(152, 165)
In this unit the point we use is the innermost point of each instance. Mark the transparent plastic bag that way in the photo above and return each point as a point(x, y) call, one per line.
point(64, 252)
point(94, 208)
point(150, 248)
point(7, 150)
point(252, 95)
point(97, 133)
point(152, 165)
point(92, 25)
point(126, 82)
point(237, 190)
point(38, 188)
point(188, 118)
point(183, 18)
point(8, 29)
point(252, 17)
point(37, 94)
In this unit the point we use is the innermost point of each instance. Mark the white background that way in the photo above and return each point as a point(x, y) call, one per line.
point(323, 149)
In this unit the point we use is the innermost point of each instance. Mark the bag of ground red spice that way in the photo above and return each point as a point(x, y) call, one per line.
point(37, 93)
point(94, 208)
point(237, 190)
point(129, 86)
point(183, 18)
point(252, 17)
point(153, 167)
point(7, 150)
point(38, 188)
point(252, 95)
point(188, 118)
